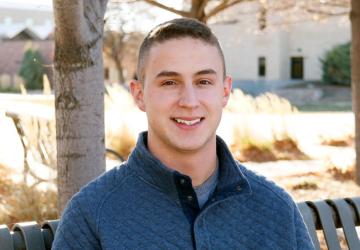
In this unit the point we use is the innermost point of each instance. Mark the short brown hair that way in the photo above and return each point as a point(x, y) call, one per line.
point(173, 29)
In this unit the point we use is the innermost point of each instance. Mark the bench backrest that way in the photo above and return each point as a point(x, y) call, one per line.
point(28, 235)
point(328, 215)
point(325, 215)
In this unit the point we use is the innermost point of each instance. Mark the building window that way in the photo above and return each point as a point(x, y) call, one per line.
point(106, 73)
point(262, 66)
point(297, 67)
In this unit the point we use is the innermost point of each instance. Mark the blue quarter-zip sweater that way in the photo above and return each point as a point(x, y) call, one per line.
point(144, 205)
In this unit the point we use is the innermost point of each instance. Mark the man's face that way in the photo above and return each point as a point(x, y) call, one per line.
point(183, 94)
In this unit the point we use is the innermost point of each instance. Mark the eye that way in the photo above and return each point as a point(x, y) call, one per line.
point(205, 82)
point(168, 83)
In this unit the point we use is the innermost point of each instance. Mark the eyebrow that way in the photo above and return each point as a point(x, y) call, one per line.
point(174, 73)
point(206, 72)
point(167, 73)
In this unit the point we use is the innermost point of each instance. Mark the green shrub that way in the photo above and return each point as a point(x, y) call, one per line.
point(336, 65)
point(32, 69)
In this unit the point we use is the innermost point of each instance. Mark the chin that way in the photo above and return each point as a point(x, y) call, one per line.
point(194, 145)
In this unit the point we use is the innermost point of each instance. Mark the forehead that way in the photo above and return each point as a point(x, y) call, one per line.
point(183, 55)
point(188, 44)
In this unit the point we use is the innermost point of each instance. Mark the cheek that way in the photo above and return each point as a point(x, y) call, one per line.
point(162, 97)
point(157, 102)
point(212, 98)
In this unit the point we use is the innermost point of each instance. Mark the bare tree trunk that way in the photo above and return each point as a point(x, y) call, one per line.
point(355, 77)
point(79, 93)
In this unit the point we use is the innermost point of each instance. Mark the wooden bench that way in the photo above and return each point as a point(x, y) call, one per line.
point(324, 215)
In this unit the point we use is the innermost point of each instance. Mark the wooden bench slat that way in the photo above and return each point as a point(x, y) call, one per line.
point(327, 221)
point(308, 216)
point(346, 217)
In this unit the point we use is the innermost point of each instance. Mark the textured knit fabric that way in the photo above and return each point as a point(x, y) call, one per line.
point(204, 191)
point(145, 205)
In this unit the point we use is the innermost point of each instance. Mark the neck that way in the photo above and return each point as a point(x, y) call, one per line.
point(197, 164)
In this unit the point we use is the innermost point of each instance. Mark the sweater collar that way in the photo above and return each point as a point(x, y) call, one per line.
point(153, 171)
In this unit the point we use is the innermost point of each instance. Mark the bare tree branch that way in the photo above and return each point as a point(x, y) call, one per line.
point(202, 7)
point(222, 6)
point(162, 6)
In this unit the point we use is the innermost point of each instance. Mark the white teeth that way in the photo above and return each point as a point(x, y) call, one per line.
point(189, 123)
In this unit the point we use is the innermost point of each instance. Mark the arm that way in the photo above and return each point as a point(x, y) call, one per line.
point(75, 231)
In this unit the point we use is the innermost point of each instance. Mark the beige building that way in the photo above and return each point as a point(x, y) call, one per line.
point(288, 51)
point(280, 54)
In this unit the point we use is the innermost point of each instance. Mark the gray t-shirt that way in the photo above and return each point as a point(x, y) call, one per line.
point(205, 190)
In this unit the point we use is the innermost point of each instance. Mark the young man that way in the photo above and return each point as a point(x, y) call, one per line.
point(181, 188)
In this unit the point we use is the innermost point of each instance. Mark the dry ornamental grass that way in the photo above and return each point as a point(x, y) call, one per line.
point(21, 202)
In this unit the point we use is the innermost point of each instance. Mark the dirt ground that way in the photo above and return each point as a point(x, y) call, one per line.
point(316, 186)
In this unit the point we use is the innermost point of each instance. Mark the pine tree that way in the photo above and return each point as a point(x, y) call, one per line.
point(32, 69)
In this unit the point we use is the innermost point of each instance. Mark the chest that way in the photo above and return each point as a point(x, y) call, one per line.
point(162, 224)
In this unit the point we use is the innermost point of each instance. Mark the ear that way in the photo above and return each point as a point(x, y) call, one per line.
point(227, 89)
point(137, 92)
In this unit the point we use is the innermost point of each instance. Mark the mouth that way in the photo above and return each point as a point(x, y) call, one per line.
point(188, 121)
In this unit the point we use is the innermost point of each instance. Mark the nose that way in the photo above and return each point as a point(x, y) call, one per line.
point(188, 97)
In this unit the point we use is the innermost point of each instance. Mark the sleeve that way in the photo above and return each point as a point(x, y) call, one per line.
point(75, 231)
point(303, 240)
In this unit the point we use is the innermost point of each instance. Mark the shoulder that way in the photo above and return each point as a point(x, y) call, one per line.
point(87, 202)
point(266, 189)
point(98, 189)
point(78, 225)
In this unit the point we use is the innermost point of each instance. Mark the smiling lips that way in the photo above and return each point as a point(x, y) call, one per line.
point(188, 121)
